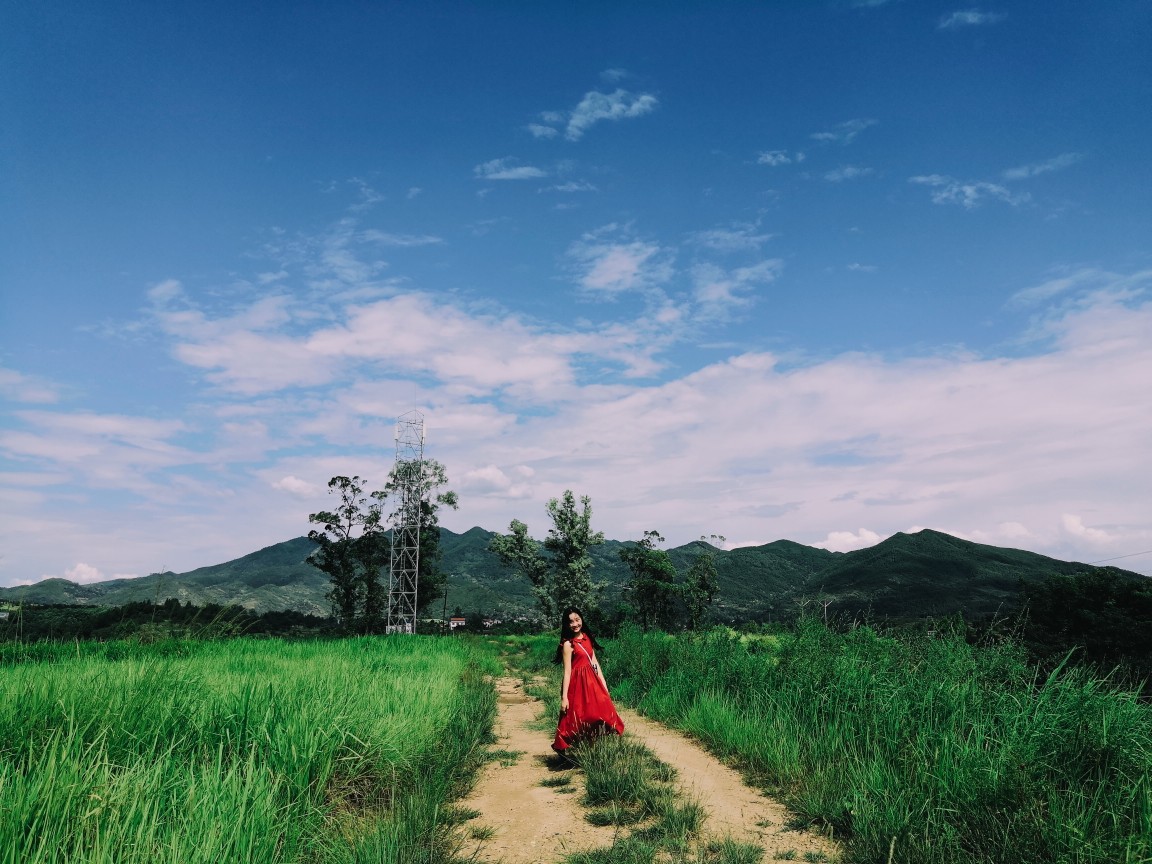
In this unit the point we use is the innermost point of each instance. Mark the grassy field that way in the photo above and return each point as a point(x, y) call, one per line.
point(239, 751)
point(915, 750)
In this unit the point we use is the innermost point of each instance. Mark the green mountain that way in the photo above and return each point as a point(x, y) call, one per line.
point(907, 575)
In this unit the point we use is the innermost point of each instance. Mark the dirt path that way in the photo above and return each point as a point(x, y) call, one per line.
point(532, 824)
point(535, 824)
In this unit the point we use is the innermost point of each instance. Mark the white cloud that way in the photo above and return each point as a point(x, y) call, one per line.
point(969, 18)
point(607, 262)
point(1056, 163)
point(387, 238)
point(719, 289)
point(739, 237)
point(1078, 281)
point(774, 158)
point(948, 190)
point(413, 192)
point(857, 267)
point(295, 486)
point(19, 387)
point(571, 186)
point(843, 133)
point(847, 172)
point(847, 541)
point(596, 107)
point(504, 169)
point(493, 482)
point(541, 131)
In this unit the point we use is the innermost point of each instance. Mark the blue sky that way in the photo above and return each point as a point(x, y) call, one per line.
point(822, 271)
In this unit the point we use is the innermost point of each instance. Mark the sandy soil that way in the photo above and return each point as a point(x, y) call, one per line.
point(534, 824)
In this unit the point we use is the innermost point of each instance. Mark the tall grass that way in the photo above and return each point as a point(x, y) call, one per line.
point(960, 753)
point(245, 751)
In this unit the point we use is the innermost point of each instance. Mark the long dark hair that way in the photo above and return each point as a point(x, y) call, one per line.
point(566, 633)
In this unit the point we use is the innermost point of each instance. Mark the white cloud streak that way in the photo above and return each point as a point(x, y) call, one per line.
point(844, 133)
point(1056, 163)
point(506, 169)
point(969, 18)
point(969, 195)
point(847, 172)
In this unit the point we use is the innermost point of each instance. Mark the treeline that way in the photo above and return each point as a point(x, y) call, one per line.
point(150, 621)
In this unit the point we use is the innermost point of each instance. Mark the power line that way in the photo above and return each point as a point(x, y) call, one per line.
point(1118, 557)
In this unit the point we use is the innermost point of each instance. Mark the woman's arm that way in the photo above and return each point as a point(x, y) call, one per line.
point(567, 677)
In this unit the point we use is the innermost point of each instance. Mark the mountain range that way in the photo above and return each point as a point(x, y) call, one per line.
point(907, 575)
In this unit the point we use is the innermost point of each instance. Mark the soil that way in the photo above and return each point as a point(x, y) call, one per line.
point(534, 824)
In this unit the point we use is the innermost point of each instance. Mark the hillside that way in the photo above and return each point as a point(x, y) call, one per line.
point(926, 573)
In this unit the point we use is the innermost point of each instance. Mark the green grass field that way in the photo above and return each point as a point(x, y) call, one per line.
point(238, 751)
point(916, 750)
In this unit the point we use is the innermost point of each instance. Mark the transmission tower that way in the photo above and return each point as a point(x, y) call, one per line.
point(409, 474)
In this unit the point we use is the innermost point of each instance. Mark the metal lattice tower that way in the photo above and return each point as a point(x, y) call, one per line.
point(405, 569)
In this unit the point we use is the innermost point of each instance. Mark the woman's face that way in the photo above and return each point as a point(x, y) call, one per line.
point(574, 622)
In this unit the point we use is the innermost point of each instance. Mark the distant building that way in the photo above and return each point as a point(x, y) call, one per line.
point(456, 621)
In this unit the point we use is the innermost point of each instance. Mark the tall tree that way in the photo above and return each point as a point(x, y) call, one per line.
point(653, 583)
point(351, 548)
point(569, 540)
point(563, 577)
point(519, 552)
point(701, 587)
point(428, 476)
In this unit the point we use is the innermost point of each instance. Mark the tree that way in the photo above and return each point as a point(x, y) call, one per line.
point(352, 549)
point(353, 546)
point(653, 584)
point(569, 540)
point(428, 475)
point(519, 552)
point(700, 587)
point(563, 577)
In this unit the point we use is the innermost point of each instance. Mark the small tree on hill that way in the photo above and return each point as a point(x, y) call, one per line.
point(653, 584)
point(700, 587)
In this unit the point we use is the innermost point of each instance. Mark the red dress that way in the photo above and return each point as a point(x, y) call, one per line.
point(590, 709)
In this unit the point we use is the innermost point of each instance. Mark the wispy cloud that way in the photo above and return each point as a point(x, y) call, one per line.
point(843, 133)
point(571, 186)
point(595, 107)
point(969, 195)
point(847, 172)
point(1078, 282)
point(718, 290)
point(738, 237)
point(776, 158)
point(857, 267)
point(608, 261)
point(387, 238)
point(19, 387)
point(969, 18)
point(506, 169)
point(1056, 163)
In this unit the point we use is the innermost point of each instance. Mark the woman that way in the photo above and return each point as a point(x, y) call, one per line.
point(586, 709)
